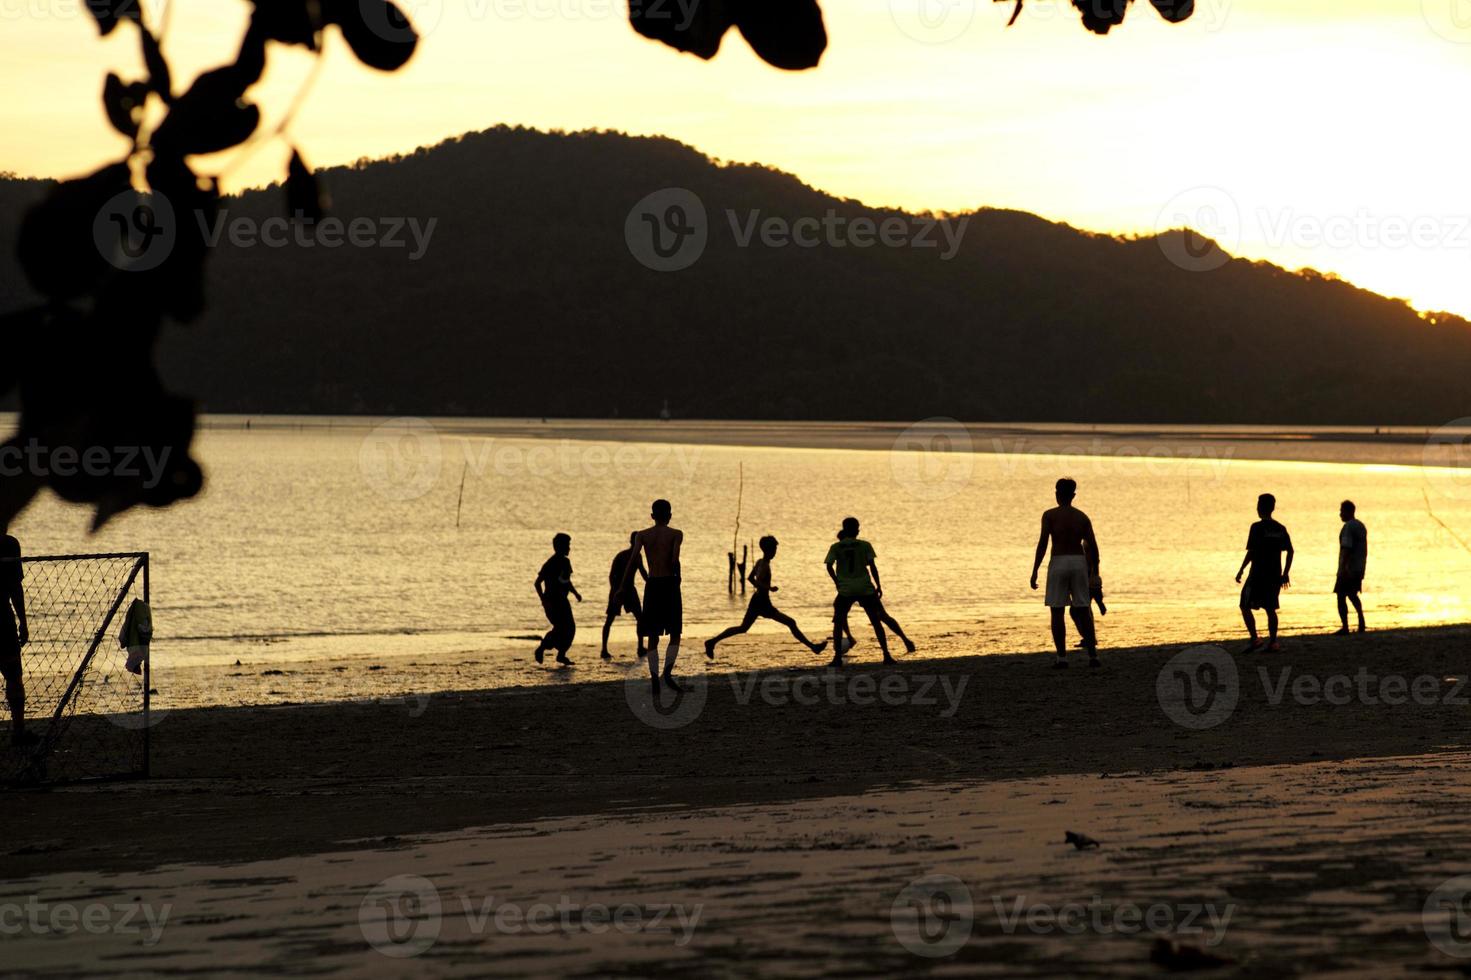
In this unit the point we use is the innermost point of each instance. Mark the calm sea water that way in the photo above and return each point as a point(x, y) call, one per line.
point(348, 560)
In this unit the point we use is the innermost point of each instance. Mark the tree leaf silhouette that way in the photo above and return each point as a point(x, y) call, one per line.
point(123, 102)
point(1100, 16)
point(57, 249)
point(787, 34)
point(376, 30)
point(696, 29)
point(159, 78)
point(1174, 11)
point(108, 13)
point(289, 21)
point(210, 117)
point(176, 286)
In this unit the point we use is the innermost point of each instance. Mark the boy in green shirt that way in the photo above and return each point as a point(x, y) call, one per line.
point(850, 562)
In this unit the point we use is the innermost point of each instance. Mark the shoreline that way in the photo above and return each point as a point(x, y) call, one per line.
point(318, 777)
point(1382, 445)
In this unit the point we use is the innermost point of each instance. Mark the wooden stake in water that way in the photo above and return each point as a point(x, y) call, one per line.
point(460, 504)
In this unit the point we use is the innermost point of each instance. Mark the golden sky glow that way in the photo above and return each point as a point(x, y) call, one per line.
point(1329, 135)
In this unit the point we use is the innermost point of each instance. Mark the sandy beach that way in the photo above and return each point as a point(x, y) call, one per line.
point(1323, 781)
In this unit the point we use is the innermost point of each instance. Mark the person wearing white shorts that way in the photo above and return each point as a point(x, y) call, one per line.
point(1073, 566)
point(1067, 581)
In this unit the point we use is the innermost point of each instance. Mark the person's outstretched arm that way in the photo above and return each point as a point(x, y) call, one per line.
point(1041, 552)
point(572, 588)
point(878, 586)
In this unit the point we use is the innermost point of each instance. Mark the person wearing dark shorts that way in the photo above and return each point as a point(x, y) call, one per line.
point(14, 634)
point(663, 607)
point(1353, 556)
point(850, 562)
point(1265, 544)
point(760, 606)
point(623, 596)
point(553, 585)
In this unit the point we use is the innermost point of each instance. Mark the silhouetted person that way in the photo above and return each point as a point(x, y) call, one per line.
point(848, 641)
point(1074, 564)
point(663, 605)
point(14, 634)
point(553, 584)
point(760, 606)
point(850, 562)
point(1264, 546)
point(1353, 556)
point(624, 598)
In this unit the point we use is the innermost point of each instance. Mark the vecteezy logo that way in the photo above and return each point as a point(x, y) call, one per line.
point(135, 232)
point(401, 458)
point(401, 916)
point(1447, 917)
point(667, 230)
point(933, 21)
point(669, 709)
point(1197, 228)
point(933, 916)
point(933, 459)
point(1449, 19)
point(1447, 459)
point(1198, 688)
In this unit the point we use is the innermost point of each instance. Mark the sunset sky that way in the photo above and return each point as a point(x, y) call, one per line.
point(1305, 132)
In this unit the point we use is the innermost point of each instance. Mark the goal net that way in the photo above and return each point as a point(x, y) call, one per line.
point(90, 712)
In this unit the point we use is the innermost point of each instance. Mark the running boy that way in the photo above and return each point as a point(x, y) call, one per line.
point(760, 606)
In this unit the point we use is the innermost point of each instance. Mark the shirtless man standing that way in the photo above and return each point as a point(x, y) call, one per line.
point(1074, 562)
point(663, 607)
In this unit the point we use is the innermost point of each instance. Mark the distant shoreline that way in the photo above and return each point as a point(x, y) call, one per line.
point(1371, 445)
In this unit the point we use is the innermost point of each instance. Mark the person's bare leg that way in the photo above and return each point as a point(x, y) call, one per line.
point(15, 696)
point(607, 628)
point(743, 626)
point(893, 624)
point(1250, 621)
point(668, 675)
point(839, 626)
point(654, 663)
point(1059, 632)
point(1272, 625)
point(791, 624)
point(1358, 608)
point(1342, 614)
point(1083, 620)
point(878, 630)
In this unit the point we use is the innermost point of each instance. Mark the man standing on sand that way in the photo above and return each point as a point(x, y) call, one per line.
point(624, 598)
point(14, 634)
point(849, 561)
point(1264, 546)
point(1074, 564)
point(1353, 556)
point(663, 605)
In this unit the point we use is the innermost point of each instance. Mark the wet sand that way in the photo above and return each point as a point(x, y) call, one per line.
point(792, 809)
point(1313, 869)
